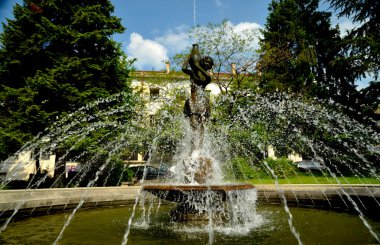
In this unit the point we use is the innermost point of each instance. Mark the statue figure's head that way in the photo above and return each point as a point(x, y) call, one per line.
point(207, 63)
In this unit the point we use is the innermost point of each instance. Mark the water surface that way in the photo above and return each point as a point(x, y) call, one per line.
point(107, 226)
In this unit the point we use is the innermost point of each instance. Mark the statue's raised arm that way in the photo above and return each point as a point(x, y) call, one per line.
point(196, 67)
point(185, 66)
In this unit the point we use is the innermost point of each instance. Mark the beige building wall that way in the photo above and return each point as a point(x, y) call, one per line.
point(19, 168)
point(48, 165)
point(166, 91)
point(23, 165)
point(293, 156)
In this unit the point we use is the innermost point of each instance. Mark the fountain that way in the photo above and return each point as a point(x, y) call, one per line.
point(202, 198)
point(198, 185)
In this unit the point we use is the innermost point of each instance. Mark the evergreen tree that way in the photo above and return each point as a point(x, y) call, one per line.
point(363, 42)
point(302, 53)
point(362, 48)
point(369, 100)
point(56, 56)
point(287, 57)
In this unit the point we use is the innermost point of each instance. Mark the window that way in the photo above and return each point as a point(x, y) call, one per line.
point(45, 155)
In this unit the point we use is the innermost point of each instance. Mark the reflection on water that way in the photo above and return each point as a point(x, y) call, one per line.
point(107, 226)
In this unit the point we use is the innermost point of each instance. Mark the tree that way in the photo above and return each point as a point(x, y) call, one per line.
point(363, 42)
point(233, 49)
point(369, 100)
point(287, 52)
point(56, 56)
point(302, 53)
point(362, 47)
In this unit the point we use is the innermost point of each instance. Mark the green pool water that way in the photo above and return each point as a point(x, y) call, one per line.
point(107, 226)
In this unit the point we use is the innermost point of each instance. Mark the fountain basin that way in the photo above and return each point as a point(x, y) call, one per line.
point(198, 202)
point(106, 226)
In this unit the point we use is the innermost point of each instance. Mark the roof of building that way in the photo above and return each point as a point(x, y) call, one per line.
point(175, 75)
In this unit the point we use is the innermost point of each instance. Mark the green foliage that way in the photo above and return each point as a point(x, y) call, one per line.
point(363, 42)
point(115, 173)
point(302, 53)
point(282, 167)
point(167, 127)
point(163, 122)
point(307, 179)
point(370, 99)
point(245, 138)
point(97, 134)
point(226, 45)
point(55, 57)
point(240, 169)
point(288, 52)
point(127, 175)
point(289, 123)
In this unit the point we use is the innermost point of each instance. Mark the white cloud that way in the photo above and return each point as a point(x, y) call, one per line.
point(176, 40)
point(248, 31)
point(150, 54)
point(239, 28)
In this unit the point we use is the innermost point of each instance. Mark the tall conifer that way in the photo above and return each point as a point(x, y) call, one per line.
point(302, 53)
point(56, 56)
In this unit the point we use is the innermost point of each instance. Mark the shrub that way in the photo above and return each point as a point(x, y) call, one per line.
point(282, 167)
point(240, 168)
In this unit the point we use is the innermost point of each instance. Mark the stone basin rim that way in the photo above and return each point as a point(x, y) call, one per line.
point(202, 187)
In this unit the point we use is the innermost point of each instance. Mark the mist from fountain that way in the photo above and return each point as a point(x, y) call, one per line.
point(289, 122)
point(292, 117)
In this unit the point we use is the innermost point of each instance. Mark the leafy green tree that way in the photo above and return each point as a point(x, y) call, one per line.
point(232, 48)
point(56, 56)
point(310, 127)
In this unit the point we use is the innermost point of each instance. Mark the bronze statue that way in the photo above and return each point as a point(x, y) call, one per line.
point(197, 107)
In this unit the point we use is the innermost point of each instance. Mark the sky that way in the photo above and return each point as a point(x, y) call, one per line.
point(156, 30)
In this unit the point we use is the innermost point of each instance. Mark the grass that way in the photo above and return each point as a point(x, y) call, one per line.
point(304, 179)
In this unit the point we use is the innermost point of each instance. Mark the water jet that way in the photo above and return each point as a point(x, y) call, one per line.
point(194, 196)
point(210, 158)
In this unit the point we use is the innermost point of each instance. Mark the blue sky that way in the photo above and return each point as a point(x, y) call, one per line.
point(156, 30)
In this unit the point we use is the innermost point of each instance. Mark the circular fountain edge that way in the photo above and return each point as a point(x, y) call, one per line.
point(202, 187)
